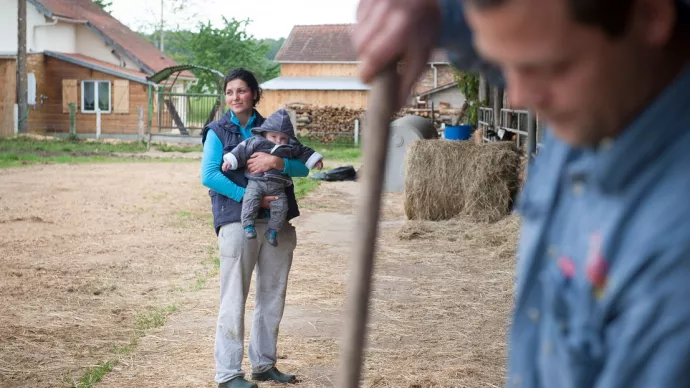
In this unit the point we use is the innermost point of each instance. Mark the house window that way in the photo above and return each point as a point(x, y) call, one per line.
point(95, 95)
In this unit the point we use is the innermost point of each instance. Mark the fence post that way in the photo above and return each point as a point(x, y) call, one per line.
point(98, 123)
point(72, 119)
point(16, 120)
point(531, 135)
point(356, 133)
point(140, 128)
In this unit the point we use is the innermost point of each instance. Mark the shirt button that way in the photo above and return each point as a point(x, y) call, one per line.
point(552, 251)
point(606, 144)
point(578, 188)
point(533, 314)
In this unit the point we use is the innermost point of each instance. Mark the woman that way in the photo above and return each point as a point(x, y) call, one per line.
point(239, 256)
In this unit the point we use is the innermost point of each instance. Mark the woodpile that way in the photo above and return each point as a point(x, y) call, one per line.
point(329, 123)
point(324, 123)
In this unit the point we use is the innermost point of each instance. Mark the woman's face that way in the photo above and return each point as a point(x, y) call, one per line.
point(239, 97)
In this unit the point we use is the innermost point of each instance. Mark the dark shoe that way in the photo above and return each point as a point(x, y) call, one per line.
point(274, 374)
point(272, 237)
point(237, 382)
point(250, 232)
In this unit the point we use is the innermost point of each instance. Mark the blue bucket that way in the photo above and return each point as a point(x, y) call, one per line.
point(458, 132)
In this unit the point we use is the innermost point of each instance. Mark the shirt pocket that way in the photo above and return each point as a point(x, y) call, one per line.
point(572, 343)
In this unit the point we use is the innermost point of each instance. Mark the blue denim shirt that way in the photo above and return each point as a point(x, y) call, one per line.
point(603, 279)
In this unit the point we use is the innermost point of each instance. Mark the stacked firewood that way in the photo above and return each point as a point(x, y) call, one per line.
point(324, 121)
point(329, 123)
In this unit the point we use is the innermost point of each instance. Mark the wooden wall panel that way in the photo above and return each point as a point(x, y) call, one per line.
point(121, 96)
point(318, 69)
point(273, 100)
point(8, 91)
point(70, 93)
point(49, 117)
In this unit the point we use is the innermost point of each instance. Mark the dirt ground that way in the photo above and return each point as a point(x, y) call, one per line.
point(91, 254)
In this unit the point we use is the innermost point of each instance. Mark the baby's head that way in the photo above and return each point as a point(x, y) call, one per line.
point(276, 137)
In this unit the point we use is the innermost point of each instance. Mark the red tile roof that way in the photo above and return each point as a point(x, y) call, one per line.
point(326, 43)
point(149, 57)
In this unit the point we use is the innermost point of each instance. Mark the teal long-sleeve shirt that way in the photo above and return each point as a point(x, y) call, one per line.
point(212, 159)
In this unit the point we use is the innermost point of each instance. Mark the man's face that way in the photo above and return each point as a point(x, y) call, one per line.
point(277, 138)
point(577, 78)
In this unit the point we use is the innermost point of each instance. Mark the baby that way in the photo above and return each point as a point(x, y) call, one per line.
point(275, 136)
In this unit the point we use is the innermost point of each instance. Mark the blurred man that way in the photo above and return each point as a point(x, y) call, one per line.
point(603, 277)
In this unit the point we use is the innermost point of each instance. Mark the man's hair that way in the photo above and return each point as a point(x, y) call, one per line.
point(609, 15)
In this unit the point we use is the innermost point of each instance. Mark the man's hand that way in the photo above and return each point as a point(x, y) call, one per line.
point(319, 165)
point(261, 162)
point(266, 202)
point(394, 30)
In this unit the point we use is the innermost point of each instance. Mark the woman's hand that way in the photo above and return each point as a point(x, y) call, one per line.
point(266, 201)
point(261, 162)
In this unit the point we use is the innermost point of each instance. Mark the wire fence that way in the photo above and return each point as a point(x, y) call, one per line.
point(513, 125)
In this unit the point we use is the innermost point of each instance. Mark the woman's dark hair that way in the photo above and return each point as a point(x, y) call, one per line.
point(246, 76)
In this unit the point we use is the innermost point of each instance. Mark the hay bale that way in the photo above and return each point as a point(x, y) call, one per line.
point(445, 179)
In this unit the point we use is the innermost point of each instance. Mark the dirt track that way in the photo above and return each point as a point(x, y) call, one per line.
point(85, 249)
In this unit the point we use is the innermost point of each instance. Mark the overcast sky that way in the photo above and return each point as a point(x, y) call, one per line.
point(270, 18)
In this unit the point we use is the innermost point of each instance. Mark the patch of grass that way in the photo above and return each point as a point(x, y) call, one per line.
point(18, 159)
point(341, 154)
point(29, 144)
point(303, 186)
point(148, 320)
point(199, 285)
point(144, 321)
point(174, 148)
point(94, 374)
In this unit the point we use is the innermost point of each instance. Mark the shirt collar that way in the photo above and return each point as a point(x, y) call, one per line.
point(616, 162)
point(236, 121)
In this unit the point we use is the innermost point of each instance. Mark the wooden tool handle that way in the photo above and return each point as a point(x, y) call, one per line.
point(382, 105)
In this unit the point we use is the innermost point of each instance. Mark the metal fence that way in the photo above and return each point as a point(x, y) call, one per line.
point(187, 113)
point(485, 122)
point(512, 124)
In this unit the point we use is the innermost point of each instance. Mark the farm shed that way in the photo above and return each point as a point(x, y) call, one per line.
point(78, 53)
point(318, 66)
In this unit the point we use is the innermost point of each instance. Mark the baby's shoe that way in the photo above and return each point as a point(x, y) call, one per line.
point(250, 232)
point(272, 237)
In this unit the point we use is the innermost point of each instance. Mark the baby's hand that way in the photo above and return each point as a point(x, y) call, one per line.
point(319, 165)
point(225, 167)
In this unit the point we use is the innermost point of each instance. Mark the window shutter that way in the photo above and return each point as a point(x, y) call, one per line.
point(69, 94)
point(121, 96)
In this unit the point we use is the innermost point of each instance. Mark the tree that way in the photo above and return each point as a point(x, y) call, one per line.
point(226, 48)
point(275, 45)
point(104, 4)
point(469, 86)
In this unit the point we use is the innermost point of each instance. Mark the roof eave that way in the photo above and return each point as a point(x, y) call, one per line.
point(96, 67)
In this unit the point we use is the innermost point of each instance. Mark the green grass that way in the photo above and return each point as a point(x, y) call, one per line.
point(28, 144)
point(340, 154)
point(18, 159)
point(94, 374)
point(151, 319)
point(144, 321)
point(173, 148)
point(303, 186)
